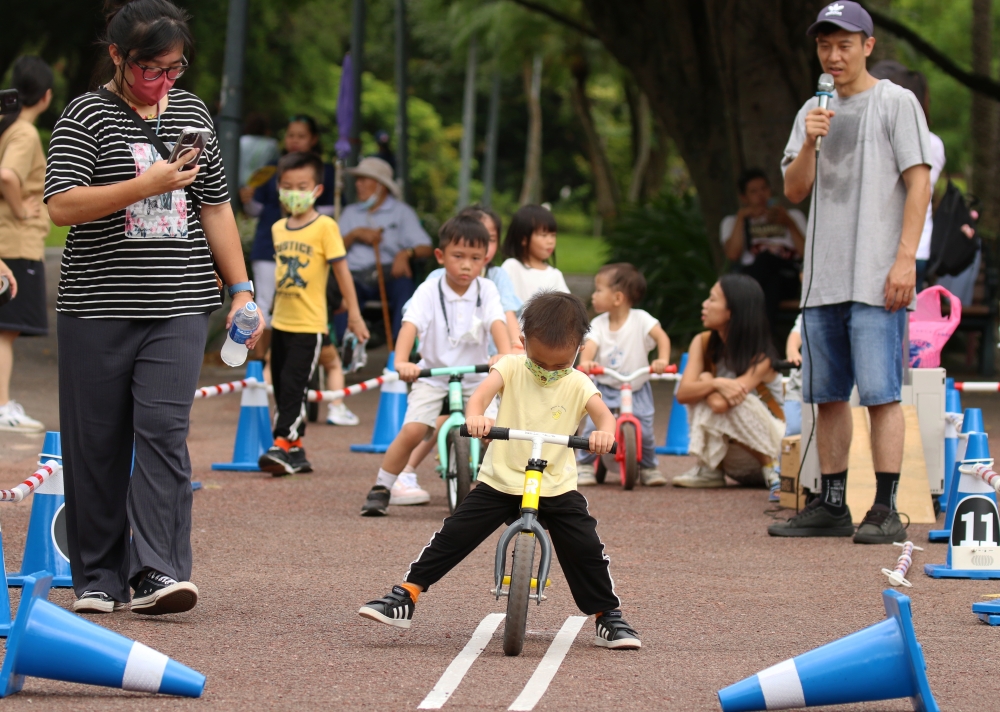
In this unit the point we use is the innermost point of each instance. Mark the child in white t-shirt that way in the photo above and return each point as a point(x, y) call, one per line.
point(529, 245)
point(621, 338)
point(452, 315)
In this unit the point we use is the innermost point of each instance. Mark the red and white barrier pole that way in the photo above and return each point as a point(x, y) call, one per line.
point(223, 388)
point(32, 483)
point(984, 472)
point(317, 396)
point(977, 386)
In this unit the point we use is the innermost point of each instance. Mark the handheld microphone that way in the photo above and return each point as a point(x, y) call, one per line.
point(824, 90)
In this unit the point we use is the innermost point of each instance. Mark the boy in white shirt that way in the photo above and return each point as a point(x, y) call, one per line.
point(452, 315)
point(621, 338)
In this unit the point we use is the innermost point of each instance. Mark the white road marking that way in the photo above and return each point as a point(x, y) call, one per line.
point(452, 677)
point(549, 665)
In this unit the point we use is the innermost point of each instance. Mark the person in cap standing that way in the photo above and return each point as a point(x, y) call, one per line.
point(380, 216)
point(870, 186)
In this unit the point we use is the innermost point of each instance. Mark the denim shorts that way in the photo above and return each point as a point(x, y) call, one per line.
point(850, 343)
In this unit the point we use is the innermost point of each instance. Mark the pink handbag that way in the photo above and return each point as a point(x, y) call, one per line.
point(929, 330)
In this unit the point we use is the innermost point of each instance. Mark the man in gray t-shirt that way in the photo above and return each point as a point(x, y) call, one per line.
point(870, 187)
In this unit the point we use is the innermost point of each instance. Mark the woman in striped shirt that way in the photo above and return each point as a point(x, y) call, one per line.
point(136, 289)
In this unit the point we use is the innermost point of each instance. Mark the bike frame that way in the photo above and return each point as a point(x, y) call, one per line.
point(456, 418)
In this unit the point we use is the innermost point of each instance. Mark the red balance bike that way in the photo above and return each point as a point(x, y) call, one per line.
point(628, 429)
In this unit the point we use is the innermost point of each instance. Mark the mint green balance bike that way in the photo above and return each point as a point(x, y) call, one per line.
point(459, 456)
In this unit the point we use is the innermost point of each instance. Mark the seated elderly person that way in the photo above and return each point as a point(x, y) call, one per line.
point(734, 396)
point(380, 216)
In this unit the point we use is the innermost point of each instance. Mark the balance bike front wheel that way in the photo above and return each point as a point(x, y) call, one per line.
point(458, 476)
point(630, 463)
point(516, 622)
point(600, 470)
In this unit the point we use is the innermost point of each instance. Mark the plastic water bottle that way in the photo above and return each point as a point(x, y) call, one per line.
point(234, 351)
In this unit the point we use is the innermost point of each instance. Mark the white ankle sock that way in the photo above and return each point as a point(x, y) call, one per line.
point(409, 468)
point(386, 479)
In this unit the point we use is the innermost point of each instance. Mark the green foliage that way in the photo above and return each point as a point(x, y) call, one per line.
point(666, 240)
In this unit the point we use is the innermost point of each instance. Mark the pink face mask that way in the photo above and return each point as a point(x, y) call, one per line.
point(150, 93)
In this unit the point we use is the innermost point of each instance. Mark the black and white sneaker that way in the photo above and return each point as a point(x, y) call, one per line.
point(396, 609)
point(96, 602)
point(157, 594)
point(376, 503)
point(297, 455)
point(277, 461)
point(615, 633)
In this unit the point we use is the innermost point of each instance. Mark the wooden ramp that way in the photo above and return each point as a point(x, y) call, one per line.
point(914, 494)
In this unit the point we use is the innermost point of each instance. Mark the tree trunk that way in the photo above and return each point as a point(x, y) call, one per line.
point(656, 168)
point(724, 78)
point(885, 44)
point(531, 188)
point(605, 189)
point(642, 140)
point(984, 117)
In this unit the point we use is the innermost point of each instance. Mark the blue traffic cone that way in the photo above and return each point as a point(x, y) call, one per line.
point(952, 405)
point(972, 547)
point(390, 414)
point(49, 641)
point(677, 428)
point(46, 547)
point(253, 432)
point(988, 611)
point(972, 422)
point(881, 662)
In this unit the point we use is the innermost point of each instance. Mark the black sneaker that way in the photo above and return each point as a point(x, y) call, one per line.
point(396, 609)
point(815, 520)
point(297, 456)
point(157, 594)
point(96, 602)
point(880, 526)
point(615, 633)
point(376, 503)
point(276, 461)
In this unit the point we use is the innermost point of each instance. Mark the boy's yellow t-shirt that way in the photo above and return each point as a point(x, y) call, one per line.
point(302, 256)
point(524, 405)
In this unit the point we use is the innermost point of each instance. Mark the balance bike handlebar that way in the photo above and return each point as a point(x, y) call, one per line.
point(454, 370)
point(573, 441)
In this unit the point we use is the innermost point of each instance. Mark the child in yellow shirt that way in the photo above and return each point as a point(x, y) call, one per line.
point(540, 391)
point(305, 244)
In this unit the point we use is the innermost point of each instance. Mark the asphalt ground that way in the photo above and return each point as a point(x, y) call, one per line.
point(284, 564)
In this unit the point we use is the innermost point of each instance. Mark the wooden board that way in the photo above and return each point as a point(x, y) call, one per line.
point(914, 494)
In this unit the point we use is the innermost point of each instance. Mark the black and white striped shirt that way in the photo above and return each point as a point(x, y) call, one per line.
point(150, 260)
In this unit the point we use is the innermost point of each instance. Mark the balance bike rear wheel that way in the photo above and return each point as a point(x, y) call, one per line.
point(630, 467)
point(458, 476)
point(600, 471)
point(516, 622)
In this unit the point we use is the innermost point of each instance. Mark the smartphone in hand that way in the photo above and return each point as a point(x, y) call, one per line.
point(188, 148)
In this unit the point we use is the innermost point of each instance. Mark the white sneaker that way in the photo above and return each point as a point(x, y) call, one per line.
point(700, 477)
point(338, 414)
point(407, 490)
point(13, 417)
point(585, 475)
point(651, 477)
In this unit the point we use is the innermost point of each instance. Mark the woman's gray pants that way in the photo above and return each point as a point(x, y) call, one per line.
point(127, 385)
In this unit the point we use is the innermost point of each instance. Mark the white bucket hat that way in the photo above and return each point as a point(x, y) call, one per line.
point(378, 170)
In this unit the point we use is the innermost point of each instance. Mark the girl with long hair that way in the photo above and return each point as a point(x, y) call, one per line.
point(734, 395)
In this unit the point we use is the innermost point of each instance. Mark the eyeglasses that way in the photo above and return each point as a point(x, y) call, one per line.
point(151, 74)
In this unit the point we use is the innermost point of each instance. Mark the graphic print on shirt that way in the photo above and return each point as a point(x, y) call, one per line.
point(162, 215)
point(292, 278)
point(293, 256)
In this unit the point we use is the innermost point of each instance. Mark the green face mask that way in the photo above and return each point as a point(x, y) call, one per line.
point(296, 201)
point(545, 377)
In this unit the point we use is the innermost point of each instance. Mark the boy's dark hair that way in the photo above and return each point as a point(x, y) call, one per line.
point(748, 175)
point(32, 78)
point(524, 223)
point(625, 278)
point(477, 210)
point(464, 228)
point(291, 161)
point(555, 319)
point(142, 30)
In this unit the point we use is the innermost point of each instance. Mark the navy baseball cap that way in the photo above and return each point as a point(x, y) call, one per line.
point(844, 14)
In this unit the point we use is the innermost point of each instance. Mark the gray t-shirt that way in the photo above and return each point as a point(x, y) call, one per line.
point(401, 230)
point(875, 136)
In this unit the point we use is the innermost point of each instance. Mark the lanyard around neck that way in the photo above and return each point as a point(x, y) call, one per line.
point(479, 302)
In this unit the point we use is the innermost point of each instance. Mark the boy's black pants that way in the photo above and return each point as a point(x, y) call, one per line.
point(293, 360)
point(571, 528)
